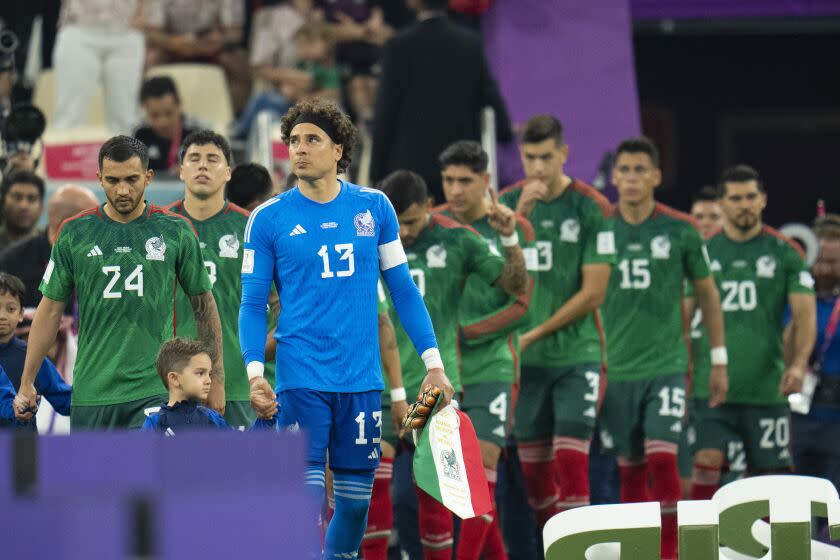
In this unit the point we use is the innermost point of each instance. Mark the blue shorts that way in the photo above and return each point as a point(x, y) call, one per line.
point(349, 425)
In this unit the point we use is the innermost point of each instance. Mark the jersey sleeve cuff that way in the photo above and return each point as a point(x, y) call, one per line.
point(255, 369)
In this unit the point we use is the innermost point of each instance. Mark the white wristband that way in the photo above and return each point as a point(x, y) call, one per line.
point(431, 358)
point(254, 369)
point(511, 240)
point(719, 356)
point(398, 394)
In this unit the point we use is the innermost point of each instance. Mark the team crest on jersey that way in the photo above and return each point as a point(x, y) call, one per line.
point(229, 246)
point(570, 230)
point(436, 256)
point(765, 267)
point(660, 247)
point(364, 224)
point(155, 249)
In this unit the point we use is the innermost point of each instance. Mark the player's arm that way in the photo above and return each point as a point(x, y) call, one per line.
point(708, 299)
point(593, 290)
point(390, 355)
point(257, 274)
point(407, 301)
point(803, 335)
point(209, 327)
point(41, 337)
point(514, 278)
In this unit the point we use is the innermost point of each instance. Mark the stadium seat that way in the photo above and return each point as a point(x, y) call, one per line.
point(43, 97)
point(203, 90)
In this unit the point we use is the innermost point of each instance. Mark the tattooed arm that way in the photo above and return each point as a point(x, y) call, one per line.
point(210, 333)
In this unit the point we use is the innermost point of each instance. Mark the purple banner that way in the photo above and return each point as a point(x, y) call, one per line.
point(573, 60)
point(677, 9)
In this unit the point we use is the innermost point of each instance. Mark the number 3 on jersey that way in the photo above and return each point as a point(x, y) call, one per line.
point(346, 252)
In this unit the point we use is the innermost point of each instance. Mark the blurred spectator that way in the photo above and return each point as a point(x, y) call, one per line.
point(207, 31)
point(272, 49)
point(814, 436)
point(165, 123)
point(99, 40)
point(435, 82)
point(314, 74)
point(27, 259)
point(705, 208)
point(359, 30)
point(250, 185)
point(22, 199)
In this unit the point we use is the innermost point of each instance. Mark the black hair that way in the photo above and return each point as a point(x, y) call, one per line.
point(345, 133)
point(639, 145)
point(202, 138)
point(435, 4)
point(405, 188)
point(740, 173)
point(21, 176)
point(468, 153)
point(159, 86)
point(10, 284)
point(249, 182)
point(707, 193)
point(542, 127)
point(122, 148)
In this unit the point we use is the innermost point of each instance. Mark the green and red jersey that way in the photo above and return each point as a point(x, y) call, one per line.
point(755, 278)
point(125, 277)
point(441, 260)
point(571, 231)
point(489, 317)
point(220, 238)
point(643, 317)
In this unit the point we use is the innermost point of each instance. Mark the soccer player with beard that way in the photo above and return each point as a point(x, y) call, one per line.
point(123, 259)
point(758, 271)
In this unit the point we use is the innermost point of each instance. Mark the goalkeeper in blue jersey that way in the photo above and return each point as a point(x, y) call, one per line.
point(324, 244)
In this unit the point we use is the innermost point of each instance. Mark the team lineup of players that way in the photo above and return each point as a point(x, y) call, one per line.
point(549, 312)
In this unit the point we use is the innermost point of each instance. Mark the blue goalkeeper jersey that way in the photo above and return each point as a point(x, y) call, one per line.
point(324, 260)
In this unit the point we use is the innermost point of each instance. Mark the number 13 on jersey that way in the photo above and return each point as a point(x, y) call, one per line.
point(345, 250)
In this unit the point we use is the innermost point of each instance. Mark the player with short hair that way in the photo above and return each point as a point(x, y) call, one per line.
point(758, 272)
point(705, 209)
point(658, 249)
point(249, 186)
point(489, 320)
point(323, 244)
point(562, 347)
point(444, 256)
point(123, 259)
point(205, 158)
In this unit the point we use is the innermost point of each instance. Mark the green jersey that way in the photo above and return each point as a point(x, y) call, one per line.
point(440, 261)
point(754, 279)
point(573, 230)
point(489, 317)
point(643, 310)
point(125, 276)
point(220, 237)
point(701, 348)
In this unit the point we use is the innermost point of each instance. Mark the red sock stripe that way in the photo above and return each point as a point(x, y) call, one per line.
point(706, 476)
point(537, 452)
point(573, 444)
point(660, 446)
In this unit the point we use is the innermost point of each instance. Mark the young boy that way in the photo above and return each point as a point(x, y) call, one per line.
point(184, 367)
point(48, 382)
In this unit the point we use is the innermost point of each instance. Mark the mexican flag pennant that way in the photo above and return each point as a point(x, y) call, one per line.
point(447, 464)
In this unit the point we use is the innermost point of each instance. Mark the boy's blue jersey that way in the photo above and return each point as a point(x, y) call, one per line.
point(184, 415)
point(7, 398)
point(48, 381)
point(325, 261)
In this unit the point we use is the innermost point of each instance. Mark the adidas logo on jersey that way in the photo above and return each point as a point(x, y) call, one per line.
point(95, 252)
point(374, 455)
point(298, 230)
point(676, 427)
